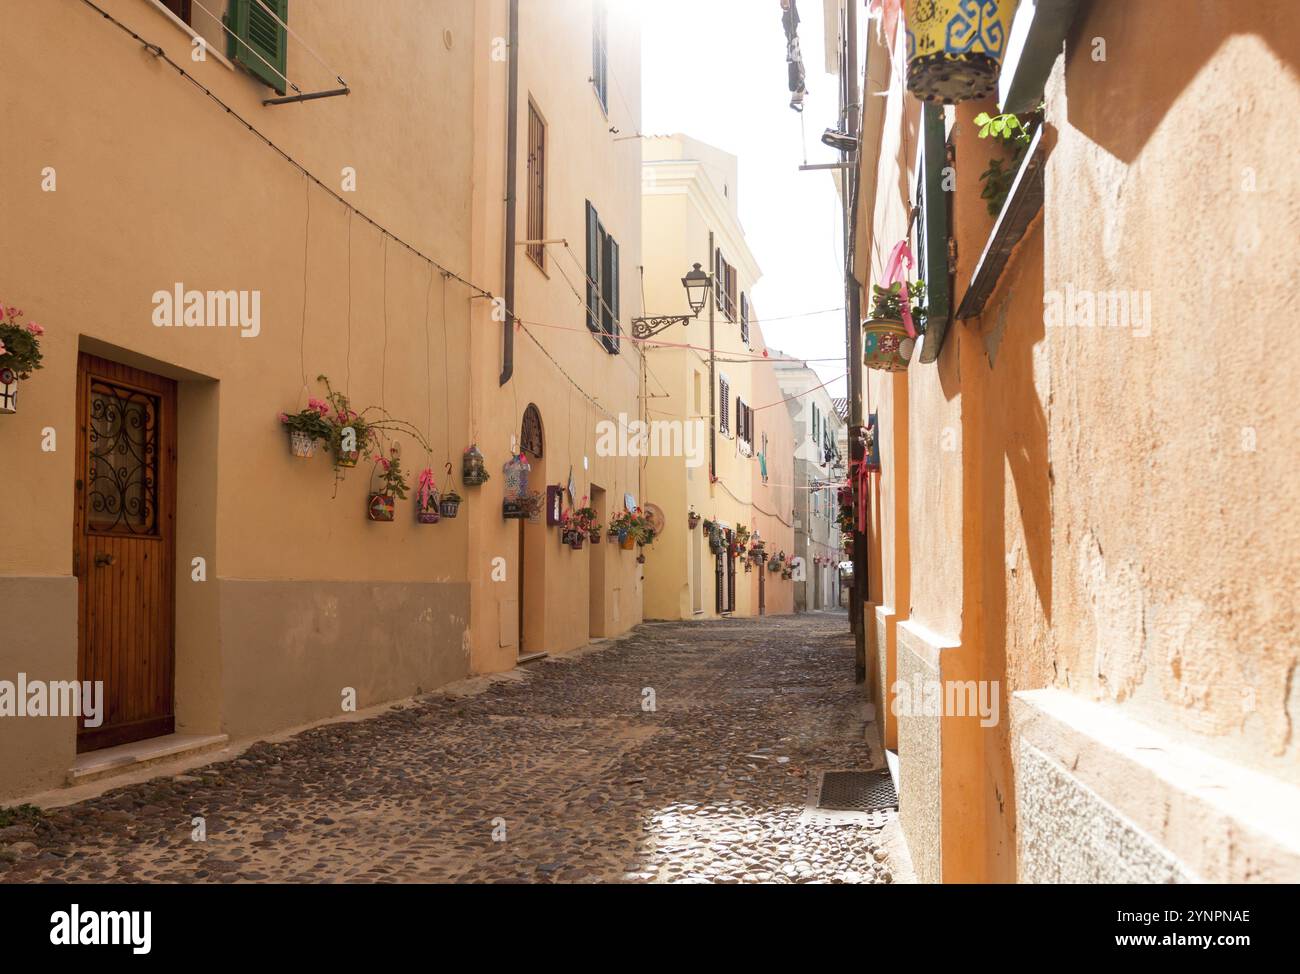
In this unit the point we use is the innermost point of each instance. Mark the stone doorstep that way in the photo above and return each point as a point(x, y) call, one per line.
point(93, 765)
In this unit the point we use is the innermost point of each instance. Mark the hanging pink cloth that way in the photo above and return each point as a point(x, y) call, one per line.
point(427, 488)
point(900, 256)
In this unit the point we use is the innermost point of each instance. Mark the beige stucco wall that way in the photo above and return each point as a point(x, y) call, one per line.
point(561, 369)
point(157, 184)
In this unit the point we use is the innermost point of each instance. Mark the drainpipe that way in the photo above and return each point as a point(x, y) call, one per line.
point(861, 592)
point(512, 159)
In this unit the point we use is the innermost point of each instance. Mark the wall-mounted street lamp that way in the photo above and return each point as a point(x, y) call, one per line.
point(698, 283)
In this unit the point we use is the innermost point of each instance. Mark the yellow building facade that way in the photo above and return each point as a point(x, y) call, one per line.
point(215, 215)
point(1067, 518)
point(728, 442)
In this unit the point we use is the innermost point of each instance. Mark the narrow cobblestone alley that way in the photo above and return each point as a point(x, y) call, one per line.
point(552, 773)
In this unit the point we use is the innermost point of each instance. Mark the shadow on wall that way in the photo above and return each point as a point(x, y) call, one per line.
point(1134, 73)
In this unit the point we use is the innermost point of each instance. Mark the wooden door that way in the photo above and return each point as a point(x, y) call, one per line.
point(124, 548)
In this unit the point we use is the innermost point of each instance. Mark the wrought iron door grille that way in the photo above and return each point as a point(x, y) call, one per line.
point(122, 466)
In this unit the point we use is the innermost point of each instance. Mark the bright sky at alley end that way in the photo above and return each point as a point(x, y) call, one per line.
point(716, 70)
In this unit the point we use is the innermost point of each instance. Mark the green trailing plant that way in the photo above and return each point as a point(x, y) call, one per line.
point(391, 476)
point(1001, 173)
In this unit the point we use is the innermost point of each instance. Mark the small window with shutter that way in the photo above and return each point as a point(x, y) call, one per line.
point(536, 186)
point(744, 319)
point(602, 283)
point(724, 405)
point(257, 39)
point(600, 53)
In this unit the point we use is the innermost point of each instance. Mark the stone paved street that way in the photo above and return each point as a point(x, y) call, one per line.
point(561, 757)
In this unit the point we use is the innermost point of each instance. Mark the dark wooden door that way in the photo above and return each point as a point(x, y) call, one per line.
point(124, 548)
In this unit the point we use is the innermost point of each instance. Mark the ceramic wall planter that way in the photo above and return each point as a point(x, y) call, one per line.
point(302, 445)
point(626, 541)
point(348, 459)
point(955, 47)
point(886, 346)
point(381, 507)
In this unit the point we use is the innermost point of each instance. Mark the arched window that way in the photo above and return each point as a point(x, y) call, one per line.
point(530, 435)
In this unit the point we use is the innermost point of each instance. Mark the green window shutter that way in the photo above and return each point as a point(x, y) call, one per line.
point(932, 229)
point(256, 41)
point(612, 332)
point(593, 269)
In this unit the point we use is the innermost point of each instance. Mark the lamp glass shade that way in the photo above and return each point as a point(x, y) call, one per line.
point(697, 285)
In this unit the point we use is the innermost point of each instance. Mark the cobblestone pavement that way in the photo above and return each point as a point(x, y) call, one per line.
point(562, 762)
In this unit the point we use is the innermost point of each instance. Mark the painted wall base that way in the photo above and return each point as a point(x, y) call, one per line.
point(1102, 798)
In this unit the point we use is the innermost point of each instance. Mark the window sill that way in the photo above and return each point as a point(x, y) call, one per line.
point(193, 34)
point(1024, 200)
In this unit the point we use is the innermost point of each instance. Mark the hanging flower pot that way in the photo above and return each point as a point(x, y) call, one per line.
point(348, 459)
point(427, 498)
point(306, 427)
point(773, 565)
point(8, 391)
point(626, 541)
point(473, 471)
point(594, 536)
point(20, 355)
point(381, 507)
point(449, 505)
point(577, 540)
point(692, 520)
point(302, 445)
point(955, 47)
point(640, 559)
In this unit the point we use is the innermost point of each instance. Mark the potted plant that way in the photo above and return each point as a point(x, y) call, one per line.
point(426, 498)
point(773, 565)
point(449, 505)
point(382, 505)
point(20, 355)
point(307, 426)
point(585, 521)
point(351, 433)
point(886, 345)
point(629, 527)
point(692, 519)
point(955, 48)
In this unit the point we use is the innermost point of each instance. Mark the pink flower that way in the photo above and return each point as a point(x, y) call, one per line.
point(2, 348)
point(284, 417)
point(319, 405)
point(34, 328)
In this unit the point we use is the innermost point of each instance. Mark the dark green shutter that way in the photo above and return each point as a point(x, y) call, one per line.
point(932, 230)
point(612, 335)
point(256, 41)
point(593, 269)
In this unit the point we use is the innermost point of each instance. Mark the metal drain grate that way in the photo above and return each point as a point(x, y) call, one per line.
point(858, 791)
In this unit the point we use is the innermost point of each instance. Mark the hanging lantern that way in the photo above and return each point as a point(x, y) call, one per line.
point(473, 469)
point(516, 504)
point(955, 47)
